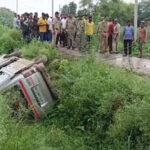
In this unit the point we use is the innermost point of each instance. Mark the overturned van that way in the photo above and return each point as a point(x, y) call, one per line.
point(31, 79)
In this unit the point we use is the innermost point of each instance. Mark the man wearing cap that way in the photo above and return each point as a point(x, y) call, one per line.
point(80, 33)
point(71, 30)
point(56, 24)
point(103, 35)
point(116, 36)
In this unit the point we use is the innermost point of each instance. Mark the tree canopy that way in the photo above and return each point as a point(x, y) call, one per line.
point(6, 17)
point(144, 10)
point(71, 8)
point(110, 8)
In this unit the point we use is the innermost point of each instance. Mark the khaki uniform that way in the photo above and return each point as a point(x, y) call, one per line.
point(57, 29)
point(116, 36)
point(71, 29)
point(80, 40)
point(103, 35)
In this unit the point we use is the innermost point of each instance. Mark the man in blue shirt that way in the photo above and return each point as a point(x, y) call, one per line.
point(128, 35)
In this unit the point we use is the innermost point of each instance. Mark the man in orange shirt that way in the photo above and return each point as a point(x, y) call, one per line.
point(142, 38)
point(42, 23)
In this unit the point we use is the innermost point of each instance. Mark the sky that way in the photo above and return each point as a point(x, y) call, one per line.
point(37, 5)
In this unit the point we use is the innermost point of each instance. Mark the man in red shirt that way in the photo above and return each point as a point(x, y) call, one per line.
point(110, 35)
point(142, 37)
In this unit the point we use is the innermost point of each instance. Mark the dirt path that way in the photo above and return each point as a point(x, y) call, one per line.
point(134, 64)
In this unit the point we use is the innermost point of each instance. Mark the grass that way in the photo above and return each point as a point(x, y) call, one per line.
point(9, 40)
point(100, 108)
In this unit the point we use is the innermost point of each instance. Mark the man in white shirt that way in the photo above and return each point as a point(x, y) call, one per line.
point(15, 21)
point(49, 32)
point(64, 33)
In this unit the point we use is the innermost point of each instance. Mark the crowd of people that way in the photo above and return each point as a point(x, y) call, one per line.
point(64, 30)
point(68, 31)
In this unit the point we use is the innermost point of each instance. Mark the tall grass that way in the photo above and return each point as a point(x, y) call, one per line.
point(10, 40)
point(100, 108)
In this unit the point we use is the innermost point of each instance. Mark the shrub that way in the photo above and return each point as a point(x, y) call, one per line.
point(10, 40)
point(20, 134)
point(36, 48)
point(92, 94)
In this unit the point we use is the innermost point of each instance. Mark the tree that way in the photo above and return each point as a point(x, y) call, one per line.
point(69, 9)
point(65, 10)
point(86, 3)
point(6, 17)
point(144, 10)
point(110, 8)
point(72, 8)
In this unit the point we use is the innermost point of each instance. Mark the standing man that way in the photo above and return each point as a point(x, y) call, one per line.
point(35, 26)
point(142, 37)
point(64, 34)
point(42, 22)
point(56, 28)
point(15, 23)
point(25, 28)
point(89, 30)
point(71, 31)
point(110, 35)
point(103, 35)
point(79, 37)
point(49, 28)
point(58, 37)
point(116, 36)
point(128, 35)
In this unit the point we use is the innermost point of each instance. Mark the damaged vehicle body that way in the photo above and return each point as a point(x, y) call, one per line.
point(31, 79)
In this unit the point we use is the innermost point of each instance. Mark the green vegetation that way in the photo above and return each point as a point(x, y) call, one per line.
point(6, 17)
point(71, 8)
point(9, 40)
point(100, 107)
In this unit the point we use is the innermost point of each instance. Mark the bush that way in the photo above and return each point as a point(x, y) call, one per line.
point(93, 94)
point(20, 134)
point(6, 17)
point(36, 48)
point(131, 126)
point(10, 40)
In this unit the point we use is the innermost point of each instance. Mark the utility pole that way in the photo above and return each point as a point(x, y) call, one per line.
point(135, 19)
point(52, 8)
point(17, 6)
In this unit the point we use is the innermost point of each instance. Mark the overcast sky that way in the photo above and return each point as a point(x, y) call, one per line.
point(37, 5)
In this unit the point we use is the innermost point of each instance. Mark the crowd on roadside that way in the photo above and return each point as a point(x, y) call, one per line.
point(68, 31)
point(65, 30)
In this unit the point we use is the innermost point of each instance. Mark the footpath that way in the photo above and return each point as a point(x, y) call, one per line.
point(134, 64)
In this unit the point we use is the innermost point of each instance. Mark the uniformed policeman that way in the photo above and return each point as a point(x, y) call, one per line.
point(71, 30)
point(56, 28)
point(103, 35)
point(116, 36)
point(80, 38)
